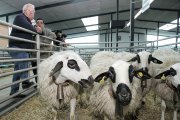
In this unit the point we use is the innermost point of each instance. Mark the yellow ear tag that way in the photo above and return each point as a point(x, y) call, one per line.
point(140, 74)
point(102, 81)
point(163, 77)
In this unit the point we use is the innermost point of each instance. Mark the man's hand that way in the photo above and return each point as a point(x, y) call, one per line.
point(38, 29)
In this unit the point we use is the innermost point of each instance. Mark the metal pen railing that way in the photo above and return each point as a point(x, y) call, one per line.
point(3, 76)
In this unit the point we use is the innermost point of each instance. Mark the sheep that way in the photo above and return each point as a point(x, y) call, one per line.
point(168, 56)
point(60, 78)
point(167, 86)
point(145, 60)
point(121, 95)
point(101, 61)
point(142, 60)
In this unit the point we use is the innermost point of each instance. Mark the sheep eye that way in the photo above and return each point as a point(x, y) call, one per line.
point(73, 65)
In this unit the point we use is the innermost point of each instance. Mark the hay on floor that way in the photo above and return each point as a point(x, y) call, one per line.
point(37, 109)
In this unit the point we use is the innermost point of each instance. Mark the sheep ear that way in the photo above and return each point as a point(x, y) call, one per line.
point(142, 74)
point(57, 68)
point(173, 71)
point(101, 76)
point(133, 59)
point(136, 58)
point(163, 75)
point(155, 60)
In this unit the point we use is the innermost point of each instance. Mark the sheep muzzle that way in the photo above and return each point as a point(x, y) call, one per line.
point(123, 94)
point(86, 83)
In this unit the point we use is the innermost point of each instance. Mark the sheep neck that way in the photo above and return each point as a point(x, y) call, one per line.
point(60, 92)
point(143, 84)
point(175, 93)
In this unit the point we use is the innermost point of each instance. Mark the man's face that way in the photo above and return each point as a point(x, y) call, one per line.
point(40, 23)
point(30, 13)
point(59, 34)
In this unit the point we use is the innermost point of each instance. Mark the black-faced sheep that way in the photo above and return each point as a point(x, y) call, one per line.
point(142, 60)
point(145, 60)
point(167, 86)
point(120, 94)
point(60, 77)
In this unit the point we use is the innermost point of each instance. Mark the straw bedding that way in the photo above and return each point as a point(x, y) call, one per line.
point(37, 109)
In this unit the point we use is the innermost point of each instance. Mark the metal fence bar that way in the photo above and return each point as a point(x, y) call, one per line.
point(168, 44)
point(5, 58)
point(105, 47)
point(21, 91)
point(110, 42)
point(167, 38)
point(17, 60)
point(17, 49)
point(16, 27)
point(18, 103)
point(18, 71)
point(45, 51)
point(16, 38)
point(13, 83)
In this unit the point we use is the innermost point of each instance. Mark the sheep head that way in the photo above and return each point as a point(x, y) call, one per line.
point(71, 67)
point(143, 59)
point(172, 75)
point(121, 74)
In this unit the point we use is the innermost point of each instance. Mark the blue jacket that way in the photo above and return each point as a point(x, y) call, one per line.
point(22, 21)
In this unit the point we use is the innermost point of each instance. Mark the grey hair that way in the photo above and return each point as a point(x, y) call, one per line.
point(26, 6)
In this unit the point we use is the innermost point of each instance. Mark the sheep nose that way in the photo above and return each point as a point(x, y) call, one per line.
point(123, 93)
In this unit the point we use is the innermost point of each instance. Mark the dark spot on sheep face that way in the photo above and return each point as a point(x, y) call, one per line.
point(72, 64)
point(112, 74)
point(131, 70)
point(123, 94)
point(154, 60)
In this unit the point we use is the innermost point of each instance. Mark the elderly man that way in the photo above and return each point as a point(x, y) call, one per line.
point(22, 20)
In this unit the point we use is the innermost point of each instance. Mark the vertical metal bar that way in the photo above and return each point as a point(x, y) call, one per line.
point(111, 29)
point(117, 15)
point(132, 24)
point(7, 18)
point(177, 30)
point(106, 38)
point(146, 36)
point(138, 39)
point(38, 52)
point(158, 34)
